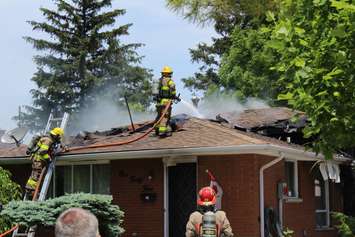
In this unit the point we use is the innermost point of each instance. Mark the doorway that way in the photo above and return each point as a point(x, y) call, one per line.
point(181, 196)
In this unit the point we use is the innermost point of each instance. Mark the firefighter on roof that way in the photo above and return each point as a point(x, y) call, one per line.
point(41, 149)
point(166, 93)
point(207, 221)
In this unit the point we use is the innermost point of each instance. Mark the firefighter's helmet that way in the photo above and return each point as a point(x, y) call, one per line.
point(57, 132)
point(167, 70)
point(206, 197)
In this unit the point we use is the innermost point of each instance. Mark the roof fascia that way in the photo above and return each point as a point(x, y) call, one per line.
point(260, 149)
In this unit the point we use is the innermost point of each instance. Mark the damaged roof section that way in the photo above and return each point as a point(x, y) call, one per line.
point(189, 133)
point(278, 122)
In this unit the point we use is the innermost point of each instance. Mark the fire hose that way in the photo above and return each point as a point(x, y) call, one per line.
point(98, 146)
point(127, 141)
point(9, 231)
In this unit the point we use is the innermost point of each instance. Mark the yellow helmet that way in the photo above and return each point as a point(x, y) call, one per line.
point(57, 132)
point(167, 70)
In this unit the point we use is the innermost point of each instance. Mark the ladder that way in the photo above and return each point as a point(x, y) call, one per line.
point(50, 170)
point(56, 122)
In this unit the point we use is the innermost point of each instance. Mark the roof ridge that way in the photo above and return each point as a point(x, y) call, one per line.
point(230, 131)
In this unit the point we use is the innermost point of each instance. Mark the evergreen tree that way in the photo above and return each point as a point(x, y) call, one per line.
point(83, 58)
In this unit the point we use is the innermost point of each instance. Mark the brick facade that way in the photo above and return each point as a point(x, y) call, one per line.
point(239, 177)
point(128, 178)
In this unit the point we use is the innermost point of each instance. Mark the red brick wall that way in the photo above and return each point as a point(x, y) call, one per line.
point(239, 176)
point(300, 217)
point(145, 219)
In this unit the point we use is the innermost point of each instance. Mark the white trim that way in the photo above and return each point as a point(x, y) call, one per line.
point(293, 200)
point(295, 178)
point(327, 207)
point(81, 162)
point(173, 161)
point(262, 149)
point(327, 204)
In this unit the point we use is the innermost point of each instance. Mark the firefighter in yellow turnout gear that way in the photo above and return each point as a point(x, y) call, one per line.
point(167, 93)
point(41, 150)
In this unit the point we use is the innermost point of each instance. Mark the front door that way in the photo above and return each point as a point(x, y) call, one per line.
point(182, 196)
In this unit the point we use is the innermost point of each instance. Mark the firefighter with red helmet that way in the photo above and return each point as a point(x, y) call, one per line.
point(207, 221)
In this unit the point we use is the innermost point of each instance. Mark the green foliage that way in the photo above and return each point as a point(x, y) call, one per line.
point(345, 224)
point(205, 11)
point(225, 15)
point(287, 232)
point(315, 44)
point(27, 213)
point(245, 68)
point(9, 191)
point(83, 60)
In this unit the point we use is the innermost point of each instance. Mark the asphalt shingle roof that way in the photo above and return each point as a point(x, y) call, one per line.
point(195, 133)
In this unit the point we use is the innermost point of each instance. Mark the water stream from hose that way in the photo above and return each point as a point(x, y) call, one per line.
point(193, 109)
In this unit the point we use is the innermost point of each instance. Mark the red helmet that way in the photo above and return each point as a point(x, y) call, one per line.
point(206, 197)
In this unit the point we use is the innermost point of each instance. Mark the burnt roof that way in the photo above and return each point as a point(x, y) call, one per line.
point(257, 118)
point(195, 133)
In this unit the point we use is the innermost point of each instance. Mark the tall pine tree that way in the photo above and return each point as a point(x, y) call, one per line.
point(83, 58)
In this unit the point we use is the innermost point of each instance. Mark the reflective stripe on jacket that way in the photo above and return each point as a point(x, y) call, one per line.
point(44, 145)
point(167, 88)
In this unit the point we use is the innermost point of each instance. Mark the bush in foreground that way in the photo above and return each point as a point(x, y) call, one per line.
point(28, 213)
point(346, 224)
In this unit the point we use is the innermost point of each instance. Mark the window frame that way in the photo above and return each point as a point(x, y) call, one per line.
point(71, 165)
point(295, 178)
point(327, 207)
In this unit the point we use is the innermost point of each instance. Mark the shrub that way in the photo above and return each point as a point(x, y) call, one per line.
point(346, 224)
point(28, 213)
point(9, 191)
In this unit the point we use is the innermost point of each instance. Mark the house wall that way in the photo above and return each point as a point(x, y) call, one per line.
point(239, 177)
point(127, 183)
point(300, 217)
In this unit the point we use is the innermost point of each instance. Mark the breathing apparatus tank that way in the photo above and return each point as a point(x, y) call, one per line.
point(209, 226)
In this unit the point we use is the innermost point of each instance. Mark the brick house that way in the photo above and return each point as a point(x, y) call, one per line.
point(154, 181)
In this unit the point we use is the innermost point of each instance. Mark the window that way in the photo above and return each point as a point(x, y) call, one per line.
point(86, 178)
point(291, 174)
point(321, 194)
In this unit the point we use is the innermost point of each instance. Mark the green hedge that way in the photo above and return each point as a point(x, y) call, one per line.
point(345, 224)
point(9, 191)
point(28, 213)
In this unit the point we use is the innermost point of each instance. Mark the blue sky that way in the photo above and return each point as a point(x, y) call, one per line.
point(167, 38)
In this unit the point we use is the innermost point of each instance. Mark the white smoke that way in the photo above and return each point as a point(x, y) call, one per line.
point(215, 104)
point(106, 114)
